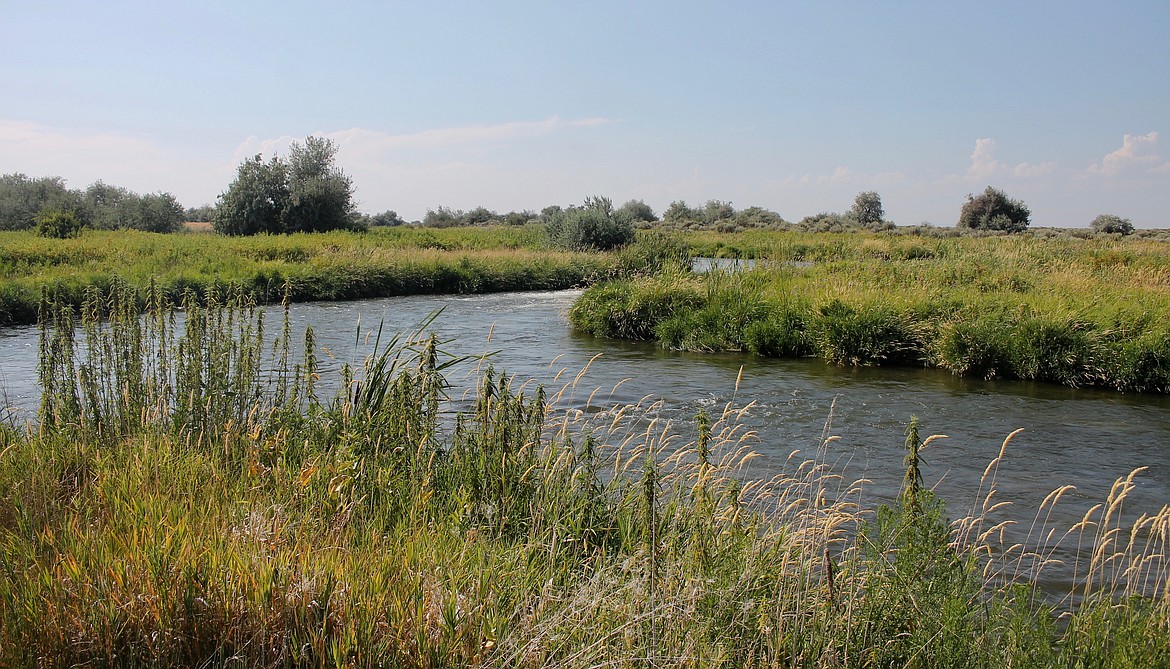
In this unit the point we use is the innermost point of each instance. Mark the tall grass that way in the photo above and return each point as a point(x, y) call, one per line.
point(1075, 312)
point(245, 520)
point(333, 266)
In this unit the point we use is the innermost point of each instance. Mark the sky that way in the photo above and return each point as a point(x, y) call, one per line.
point(791, 106)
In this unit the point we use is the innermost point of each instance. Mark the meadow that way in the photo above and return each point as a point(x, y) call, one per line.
point(332, 266)
point(1074, 311)
point(188, 497)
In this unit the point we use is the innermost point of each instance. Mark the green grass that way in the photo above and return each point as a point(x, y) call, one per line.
point(333, 266)
point(1079, 312)
point(179, 504)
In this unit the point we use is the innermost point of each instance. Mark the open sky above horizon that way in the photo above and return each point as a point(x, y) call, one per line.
point(795, 107)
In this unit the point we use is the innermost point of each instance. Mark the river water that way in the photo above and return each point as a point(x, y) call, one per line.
point(1085, 438)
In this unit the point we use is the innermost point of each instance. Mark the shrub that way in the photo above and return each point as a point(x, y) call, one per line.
point(994, 210)
point(1108, 223)
point(593, 226)
point(58, 224)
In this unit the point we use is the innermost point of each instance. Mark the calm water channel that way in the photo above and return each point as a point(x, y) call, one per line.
point(1081, 437)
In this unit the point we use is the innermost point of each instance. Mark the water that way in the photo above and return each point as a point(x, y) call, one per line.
point(1086, 438)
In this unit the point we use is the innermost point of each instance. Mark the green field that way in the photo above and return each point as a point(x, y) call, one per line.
point(332, 266)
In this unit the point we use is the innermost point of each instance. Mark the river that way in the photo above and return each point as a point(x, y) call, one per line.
point(1086, 438)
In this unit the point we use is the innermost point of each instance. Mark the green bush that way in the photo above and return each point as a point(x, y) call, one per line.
point(58, 224)
point(994, 210)
point(1108, 223)
point(593, 226)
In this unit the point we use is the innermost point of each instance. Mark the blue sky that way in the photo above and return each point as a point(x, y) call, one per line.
point(795, 107)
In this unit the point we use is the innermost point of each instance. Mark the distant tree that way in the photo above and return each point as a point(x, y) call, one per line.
point(994, 210)
point(479, 216)
point(157, 212)
point(58, 224)
point(306, 193)
point(1112, 224)
point(443, 217)
point(202, 214)
point(867, 209)
point(519, 217)
point(593, 226)
point(256, 201)
point(388, 218)
point(758, 217)
point(678, 213)
point(23, 197)
point(320, 194)
point(716, 211)
point(110, 207)
point(637, 210)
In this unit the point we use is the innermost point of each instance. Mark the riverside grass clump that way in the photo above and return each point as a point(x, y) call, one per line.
point(330, 266)
point(190, 496)
point(1078, 312)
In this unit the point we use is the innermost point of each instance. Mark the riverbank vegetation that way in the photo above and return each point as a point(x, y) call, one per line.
point(191, 497)
point(332, 266)
point(1080, 312)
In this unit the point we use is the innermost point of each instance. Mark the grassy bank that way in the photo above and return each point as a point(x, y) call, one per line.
point(1092, 312)
point(334, 266)
point(183, 503)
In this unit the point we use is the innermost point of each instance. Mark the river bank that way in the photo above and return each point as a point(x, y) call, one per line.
point(218, 518)
point(1078, 312)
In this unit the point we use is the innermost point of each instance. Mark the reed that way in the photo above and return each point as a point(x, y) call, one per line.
point(262, 525)
point(331, 266)
point(1078, 312)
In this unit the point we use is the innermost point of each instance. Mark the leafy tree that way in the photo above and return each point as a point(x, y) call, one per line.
point(679, 213)
point(388, 218)
point(443, 217)
point(320, 194)
point(157, 212)
point(479, 216)
point(22, 198)
point(306, 193)
point(1112, 224)
point(592, 226)
point(256, 201)
point(867, 208)
point(202, 214)
point(110, 207)
point(994, 210)
point(716, 211)
point(637, 210)
point(58, 224)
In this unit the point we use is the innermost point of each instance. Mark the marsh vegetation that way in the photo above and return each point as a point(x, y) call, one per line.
point(192, 495)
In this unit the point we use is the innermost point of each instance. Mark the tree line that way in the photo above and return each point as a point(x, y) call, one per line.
point(307, 192)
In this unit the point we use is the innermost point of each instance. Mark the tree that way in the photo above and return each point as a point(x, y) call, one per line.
point(994, 210)
point(157, 212)
point(637, 210)
point(255, 202)
point(306, 193)
point(22, 198)
point(320, 194)
point(592, 226)
point(1112, 224)
point(867, 208)
point(388, 218)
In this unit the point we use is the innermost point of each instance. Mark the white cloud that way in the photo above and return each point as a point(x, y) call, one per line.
point(985, 166)
point(1137, 154)
point(83, 157)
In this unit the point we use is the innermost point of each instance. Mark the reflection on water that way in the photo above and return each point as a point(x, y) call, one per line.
point(1086, 438)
